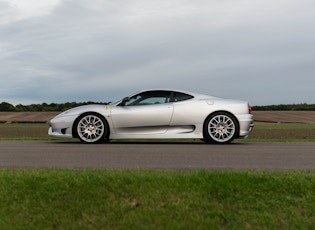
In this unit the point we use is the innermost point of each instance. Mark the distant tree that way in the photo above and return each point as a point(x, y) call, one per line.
point(6, 107)
point(21, 108)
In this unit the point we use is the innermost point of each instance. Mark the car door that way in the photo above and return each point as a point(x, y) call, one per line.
point(148, 112)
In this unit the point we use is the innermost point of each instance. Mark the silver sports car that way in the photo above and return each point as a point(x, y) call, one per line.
point(157, 114)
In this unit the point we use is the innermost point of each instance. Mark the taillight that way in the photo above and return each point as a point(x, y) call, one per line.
point(249, 109)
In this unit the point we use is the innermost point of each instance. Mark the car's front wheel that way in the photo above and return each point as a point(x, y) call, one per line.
point(220, 128)
point(91, 128)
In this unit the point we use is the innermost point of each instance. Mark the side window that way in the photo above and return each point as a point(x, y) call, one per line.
point(181, 97)
point(149, 98)
point(153, 100)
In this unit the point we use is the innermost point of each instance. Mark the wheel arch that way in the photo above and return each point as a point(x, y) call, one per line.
point(237, 134)
point(74, 125)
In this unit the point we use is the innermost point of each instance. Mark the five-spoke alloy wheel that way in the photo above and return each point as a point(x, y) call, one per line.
point(91, 128)
point(220, 128)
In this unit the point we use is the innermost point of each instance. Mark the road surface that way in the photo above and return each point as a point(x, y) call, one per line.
point(61, 154)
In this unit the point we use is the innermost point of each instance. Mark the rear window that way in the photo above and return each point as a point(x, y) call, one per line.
point(177, 96)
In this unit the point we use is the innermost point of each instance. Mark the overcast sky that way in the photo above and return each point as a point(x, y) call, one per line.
point(102, 50)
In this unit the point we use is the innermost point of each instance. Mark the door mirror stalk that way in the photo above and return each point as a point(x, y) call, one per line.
point(124, 101)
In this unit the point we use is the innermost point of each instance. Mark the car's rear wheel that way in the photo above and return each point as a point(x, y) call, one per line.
point(91, 128)
point(220, 128)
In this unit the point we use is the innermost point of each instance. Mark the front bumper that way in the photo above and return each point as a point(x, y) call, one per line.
point(61, 126)
point(58, 133)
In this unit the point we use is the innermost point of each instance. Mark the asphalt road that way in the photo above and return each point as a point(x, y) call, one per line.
point(60, 154)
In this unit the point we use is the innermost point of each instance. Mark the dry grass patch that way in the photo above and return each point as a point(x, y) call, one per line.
point(282, 132)
point(306, 117)
point(23, 130)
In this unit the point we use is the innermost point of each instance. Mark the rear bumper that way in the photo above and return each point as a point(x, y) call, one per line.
point(246, 123)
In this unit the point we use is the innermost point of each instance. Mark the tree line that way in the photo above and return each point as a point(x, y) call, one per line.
point(44, 107)
point(286, 107)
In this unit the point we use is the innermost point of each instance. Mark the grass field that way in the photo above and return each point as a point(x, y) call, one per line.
point(272, 132)
point(24, 131)
point(141, 199)
point(262, 132)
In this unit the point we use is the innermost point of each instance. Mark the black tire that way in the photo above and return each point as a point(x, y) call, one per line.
point(220, 128)
point(91, 128)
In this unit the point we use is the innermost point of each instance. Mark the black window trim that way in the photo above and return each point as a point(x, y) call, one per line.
point(173, 96)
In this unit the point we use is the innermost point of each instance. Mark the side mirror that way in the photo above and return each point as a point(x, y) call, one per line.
point(124, 101)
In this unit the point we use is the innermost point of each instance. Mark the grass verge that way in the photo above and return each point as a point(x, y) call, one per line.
point(263, 132)
point(145, 199)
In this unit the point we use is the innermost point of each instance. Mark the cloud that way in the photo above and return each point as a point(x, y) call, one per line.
point(82, 50)
point(15, 10)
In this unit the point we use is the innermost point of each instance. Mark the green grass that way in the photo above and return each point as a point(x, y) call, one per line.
point(142, 199)
point(263, 132)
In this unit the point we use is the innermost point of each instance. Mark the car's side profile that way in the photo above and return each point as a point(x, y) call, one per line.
point(157, 114)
